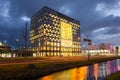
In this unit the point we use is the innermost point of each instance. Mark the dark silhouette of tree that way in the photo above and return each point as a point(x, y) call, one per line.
point(25, 34)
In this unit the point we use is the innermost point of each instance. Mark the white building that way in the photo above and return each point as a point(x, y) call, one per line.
point(101, 49)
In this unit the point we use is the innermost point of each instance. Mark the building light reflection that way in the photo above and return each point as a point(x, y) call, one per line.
point(92, 72)
point(96, 71)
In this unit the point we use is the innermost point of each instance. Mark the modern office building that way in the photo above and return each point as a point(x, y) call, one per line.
point(54, 34)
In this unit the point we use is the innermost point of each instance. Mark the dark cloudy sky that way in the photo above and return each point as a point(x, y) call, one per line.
point(100, 19)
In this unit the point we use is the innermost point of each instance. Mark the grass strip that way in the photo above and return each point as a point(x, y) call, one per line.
point(113, 76)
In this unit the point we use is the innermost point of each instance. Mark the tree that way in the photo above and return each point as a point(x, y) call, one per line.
point(25, 37)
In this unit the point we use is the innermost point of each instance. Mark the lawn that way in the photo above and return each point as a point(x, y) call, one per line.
point(114, 76)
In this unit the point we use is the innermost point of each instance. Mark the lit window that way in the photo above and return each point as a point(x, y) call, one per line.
point(44, 48)
point(48, 48)
point(58, 44)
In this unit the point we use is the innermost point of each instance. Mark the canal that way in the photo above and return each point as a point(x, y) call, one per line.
point(96, 71)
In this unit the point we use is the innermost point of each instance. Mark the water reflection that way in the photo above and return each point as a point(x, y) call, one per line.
point(79, 73)
point(96, 71)
point(91, 72)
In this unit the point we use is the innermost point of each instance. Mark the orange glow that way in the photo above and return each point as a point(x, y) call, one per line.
point(96, 71)
point(65, 75)
point(46, 78)
point(73, 74)
point(79, 73)
point(82, 73)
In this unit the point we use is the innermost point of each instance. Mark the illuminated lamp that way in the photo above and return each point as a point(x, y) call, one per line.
point(0, 44)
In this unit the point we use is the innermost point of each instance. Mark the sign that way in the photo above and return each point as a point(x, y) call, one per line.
point(87, 40)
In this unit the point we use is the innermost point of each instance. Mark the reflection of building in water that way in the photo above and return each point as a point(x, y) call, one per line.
point(105, 69)
point(74, 74)
point(114, 65)
point(96, 71)
point(118, 63)
point(54, 34)
point(82, 72)
point(79, 73)
point(46, 78)
point(100, 70)
point(109, 66)
point(90, 72)
point(64, 75)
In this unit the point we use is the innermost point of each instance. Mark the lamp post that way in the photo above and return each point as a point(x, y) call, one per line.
point(79, 45)
point(5, 42)
point(17, 40)
point(117, 50)
point(17, 45)
point(89, 42)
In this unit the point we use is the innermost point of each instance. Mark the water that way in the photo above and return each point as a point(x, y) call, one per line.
point(92, 72)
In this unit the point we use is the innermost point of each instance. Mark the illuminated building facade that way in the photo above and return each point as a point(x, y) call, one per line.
point(5, 50)
point(118, 50)
point(54, 34)
point(101, 49)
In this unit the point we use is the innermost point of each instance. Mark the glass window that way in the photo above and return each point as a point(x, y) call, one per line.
point(44, 48)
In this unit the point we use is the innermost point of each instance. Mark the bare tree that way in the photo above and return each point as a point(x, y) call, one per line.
point(25, 37)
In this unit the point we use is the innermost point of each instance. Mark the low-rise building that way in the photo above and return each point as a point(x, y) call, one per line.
point(5, 50)
point(118, 50)
point(100, 49)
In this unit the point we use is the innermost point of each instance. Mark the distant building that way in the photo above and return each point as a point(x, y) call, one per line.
point(101, 49)
point(5, 50)
point(118, 50)
point(22, 53)
point(54, 34)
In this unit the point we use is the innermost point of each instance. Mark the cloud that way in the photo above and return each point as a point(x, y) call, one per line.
point(97, 18)
point(107, 9)
point(106, 35)
point(101, 30)
point(100, 33)
point(25, 18)
point(4, 9)
point(65, 10)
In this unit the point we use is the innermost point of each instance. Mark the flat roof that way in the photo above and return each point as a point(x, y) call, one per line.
point(59, 14)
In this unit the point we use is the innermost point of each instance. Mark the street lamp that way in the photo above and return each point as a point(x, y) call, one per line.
point(17, 40)
point(89, 42)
